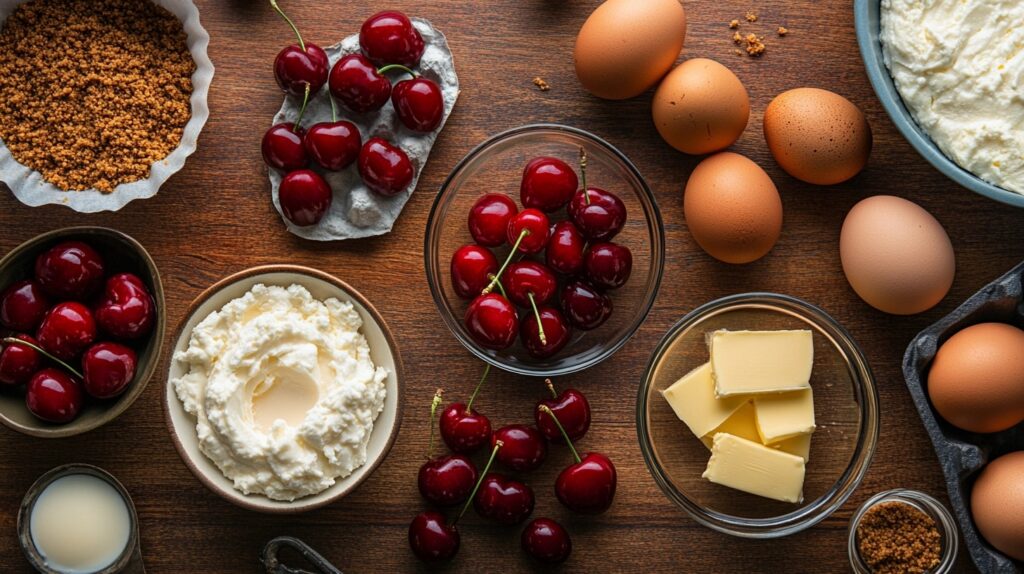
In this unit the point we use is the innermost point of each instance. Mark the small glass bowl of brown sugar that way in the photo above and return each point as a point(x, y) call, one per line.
point(902, 532)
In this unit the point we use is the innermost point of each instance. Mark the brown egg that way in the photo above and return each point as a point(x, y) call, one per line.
point(700, 107)
point(896, 256)
point(817, 136)
point(626, 46)
point(976, 381)
point(997, 504)
point(732, 208)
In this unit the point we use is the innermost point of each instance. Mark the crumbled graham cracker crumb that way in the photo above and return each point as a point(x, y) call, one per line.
point(541, 84)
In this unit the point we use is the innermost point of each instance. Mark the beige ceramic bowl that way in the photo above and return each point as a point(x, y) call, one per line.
point(120, 253)
point(383, 351)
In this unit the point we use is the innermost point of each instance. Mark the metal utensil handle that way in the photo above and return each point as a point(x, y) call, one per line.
point(273, 565)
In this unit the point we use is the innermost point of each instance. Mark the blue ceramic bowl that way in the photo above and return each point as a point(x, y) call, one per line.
point(866, 21)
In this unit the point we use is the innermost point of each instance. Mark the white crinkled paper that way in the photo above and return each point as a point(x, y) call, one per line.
point(31, 189)
point(356, 211)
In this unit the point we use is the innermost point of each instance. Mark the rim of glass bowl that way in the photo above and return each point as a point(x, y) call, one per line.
point(865, 393)
point(921, 501)
point(655, 227)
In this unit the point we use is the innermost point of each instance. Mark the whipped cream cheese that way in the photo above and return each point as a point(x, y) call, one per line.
point(283, 390)
point(959, 66)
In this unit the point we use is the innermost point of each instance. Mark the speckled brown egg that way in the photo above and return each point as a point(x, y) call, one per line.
point(817, 136)
point(976, 381)
point(997, 504)
point(732, 208)
point(626, 46)
point(700, 107)
point(895, 255)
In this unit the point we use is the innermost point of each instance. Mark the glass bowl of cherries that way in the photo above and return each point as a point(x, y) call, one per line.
point(81, 328)
point(544, 250)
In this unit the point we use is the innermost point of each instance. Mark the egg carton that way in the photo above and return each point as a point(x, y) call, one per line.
point(963, 454)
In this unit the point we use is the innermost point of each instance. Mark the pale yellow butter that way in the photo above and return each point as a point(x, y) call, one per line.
point(693, 400)
point(747, 362)
point(743, 423)
point(784, 415)
point(754, 468)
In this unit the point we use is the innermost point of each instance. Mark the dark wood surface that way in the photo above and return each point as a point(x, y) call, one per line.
point(215, 218)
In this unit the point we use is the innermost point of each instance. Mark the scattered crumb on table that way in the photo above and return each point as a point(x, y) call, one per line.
point(734, 24)
point(541, 84)
point(782, 31)
point(751, 16)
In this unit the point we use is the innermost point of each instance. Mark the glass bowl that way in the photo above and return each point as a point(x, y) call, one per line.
point(845, 410)
point(497, 166)
point(950, 536)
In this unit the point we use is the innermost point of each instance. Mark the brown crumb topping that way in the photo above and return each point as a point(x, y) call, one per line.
point(754, 44)
point(93, 92)
point(541, 84)
point(896, 538)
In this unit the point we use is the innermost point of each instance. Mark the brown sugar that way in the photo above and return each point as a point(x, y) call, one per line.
point(896, 538)
point(93, 92)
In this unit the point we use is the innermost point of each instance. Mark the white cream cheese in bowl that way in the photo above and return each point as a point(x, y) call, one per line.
point(283, 394)
point(959, 68)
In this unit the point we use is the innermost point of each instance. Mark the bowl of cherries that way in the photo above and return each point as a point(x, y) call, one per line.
point(544, 250)
point(81, 328)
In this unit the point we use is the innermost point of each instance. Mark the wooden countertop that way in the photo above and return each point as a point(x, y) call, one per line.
point(215, 218)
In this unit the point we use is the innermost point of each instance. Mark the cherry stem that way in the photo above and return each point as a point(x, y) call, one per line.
point(536, 313)
point(501, 288)
point(290, 23)
point(565, 435)
point(17, 341)
point(469, 405)
point(551, 387)
point(392, 67)
point(583, 174)
point(302, 110)
point(515, 248)
point(334, 109)
point(494, 452)
point(433, 411)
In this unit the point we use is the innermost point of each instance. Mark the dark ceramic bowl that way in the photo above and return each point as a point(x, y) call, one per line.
point(121, 253)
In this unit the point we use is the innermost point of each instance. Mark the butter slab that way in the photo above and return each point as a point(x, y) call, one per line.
point(748, 362)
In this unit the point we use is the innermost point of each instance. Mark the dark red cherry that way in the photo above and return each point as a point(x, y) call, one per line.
point(547, 541)
point(489, 219)
point(523, 278)
point(503, 500)
point(564, 252)
point(333, 145)
point(282, 147)
point(600, 219)
point(358, 85)
point(23, 305)
point(573, 411)
point(299, 65)
point(305, 197)
point(127, 310)
point(53, 396)
point(587, 487)
point(107, 369)
point(70, 270)
point(471, 269)
point(548, 184)
point(608, 265)
point(557, 333)
point(384, 168)
point(67, 330)
point(524, 447)
point(535, 225)
point(432, 539)
point(584, 306)
point(389, 37)
point(492, 321)
point(447, 480)
point(419, 104)
point(464, 430)
point(19, 362)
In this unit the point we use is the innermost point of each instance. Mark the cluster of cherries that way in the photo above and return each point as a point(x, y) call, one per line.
point(78, 315)
point(388, 42)
point(585, 487)
point(578, 249)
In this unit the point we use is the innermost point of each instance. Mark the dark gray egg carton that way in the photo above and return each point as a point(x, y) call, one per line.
point(963, 454)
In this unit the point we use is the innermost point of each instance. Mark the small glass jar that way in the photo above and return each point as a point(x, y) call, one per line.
point(948, 532)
